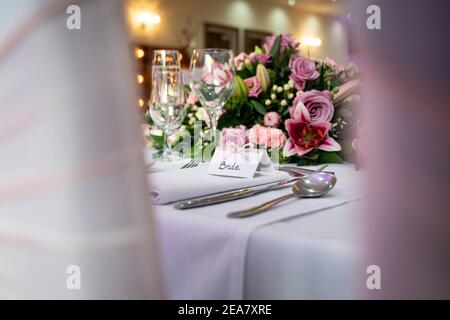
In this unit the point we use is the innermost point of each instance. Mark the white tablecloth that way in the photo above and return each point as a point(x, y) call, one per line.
point(206, 256)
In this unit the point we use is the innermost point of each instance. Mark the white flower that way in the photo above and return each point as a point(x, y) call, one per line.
point(268, 102)
point(201, 114)
point(280, 89)
point(156, 132)
point(194, 108)
point(286, 87)
point(283, 103)
point(191, 121)
point(291, 83)
point(290, 95)
point(273, 96)
point(274, 88)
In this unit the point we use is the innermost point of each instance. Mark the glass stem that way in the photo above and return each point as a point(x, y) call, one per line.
point(167, 148)
point(213, 118)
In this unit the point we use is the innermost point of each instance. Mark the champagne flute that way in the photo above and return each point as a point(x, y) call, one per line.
point(212, 77)
point(167, 108)
point(166, 58)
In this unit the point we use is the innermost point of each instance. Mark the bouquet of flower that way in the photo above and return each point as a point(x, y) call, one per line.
point(301, 110)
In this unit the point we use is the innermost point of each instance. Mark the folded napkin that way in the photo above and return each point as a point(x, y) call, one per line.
point(181, 184)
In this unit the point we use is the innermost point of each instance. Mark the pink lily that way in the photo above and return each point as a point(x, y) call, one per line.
point(217, 75)
point(305, 136)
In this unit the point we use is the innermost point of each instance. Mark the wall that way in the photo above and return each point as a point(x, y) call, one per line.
point(177, 15)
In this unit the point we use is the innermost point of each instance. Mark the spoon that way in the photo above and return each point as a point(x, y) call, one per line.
point(245, 192)
point(313, 185)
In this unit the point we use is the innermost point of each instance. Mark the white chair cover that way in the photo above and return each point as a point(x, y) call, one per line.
point(72, 180)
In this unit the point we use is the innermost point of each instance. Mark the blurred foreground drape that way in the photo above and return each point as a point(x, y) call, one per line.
point(406, 99)
point(72, 182)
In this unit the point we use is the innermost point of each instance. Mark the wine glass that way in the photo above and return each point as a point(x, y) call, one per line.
point(166, 58)
point(212, 78)
point(167, 108)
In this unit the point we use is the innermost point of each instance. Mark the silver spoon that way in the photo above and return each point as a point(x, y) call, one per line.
point(245, 192)
point(313, 185)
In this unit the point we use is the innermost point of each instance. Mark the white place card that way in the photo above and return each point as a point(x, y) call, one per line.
point(242, 164)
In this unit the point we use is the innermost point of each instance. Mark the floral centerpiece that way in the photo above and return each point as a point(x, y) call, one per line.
point(302, 110)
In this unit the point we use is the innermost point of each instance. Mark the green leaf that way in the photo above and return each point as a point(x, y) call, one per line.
point(272, 75)
point(228, 120)
point(275, 48)
point(306, 162)
point(329, 157)
point(322, 78)
point(158, 141)
point(258, 106)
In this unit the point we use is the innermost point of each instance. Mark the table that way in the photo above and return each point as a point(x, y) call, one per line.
point(311, 256)
point(314, 256)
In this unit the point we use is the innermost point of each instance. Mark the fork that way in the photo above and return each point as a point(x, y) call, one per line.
point(191, 164)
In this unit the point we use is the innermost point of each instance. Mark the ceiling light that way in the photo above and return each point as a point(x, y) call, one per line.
point(291, 2)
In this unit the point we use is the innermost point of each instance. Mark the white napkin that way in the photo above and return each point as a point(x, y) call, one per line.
point(180, 184)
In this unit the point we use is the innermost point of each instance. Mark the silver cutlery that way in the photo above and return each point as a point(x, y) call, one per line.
point(313, 185)
point(233, 195)
point(294, 169)
point(191, 164)
point(244, 192)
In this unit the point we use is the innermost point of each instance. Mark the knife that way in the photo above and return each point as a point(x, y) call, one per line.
point(233, 195)
point(246, 192)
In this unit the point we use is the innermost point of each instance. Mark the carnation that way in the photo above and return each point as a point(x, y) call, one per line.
point(272, 119)
point(232, 137)
point(269, 137)
point(262, 58)
point(333, 65)
point(286, 41)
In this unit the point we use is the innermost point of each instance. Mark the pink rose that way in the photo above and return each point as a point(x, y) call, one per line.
point(305, 136)
point(254, 89)
point(192, 98)
point(318, 103)
point(262, 58)
point(272, 119)
point(286, 41)
point(232, 137)
point(302, 70)
point(270, 137)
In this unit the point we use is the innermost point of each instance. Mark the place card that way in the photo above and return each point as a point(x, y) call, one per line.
point(242, 163)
